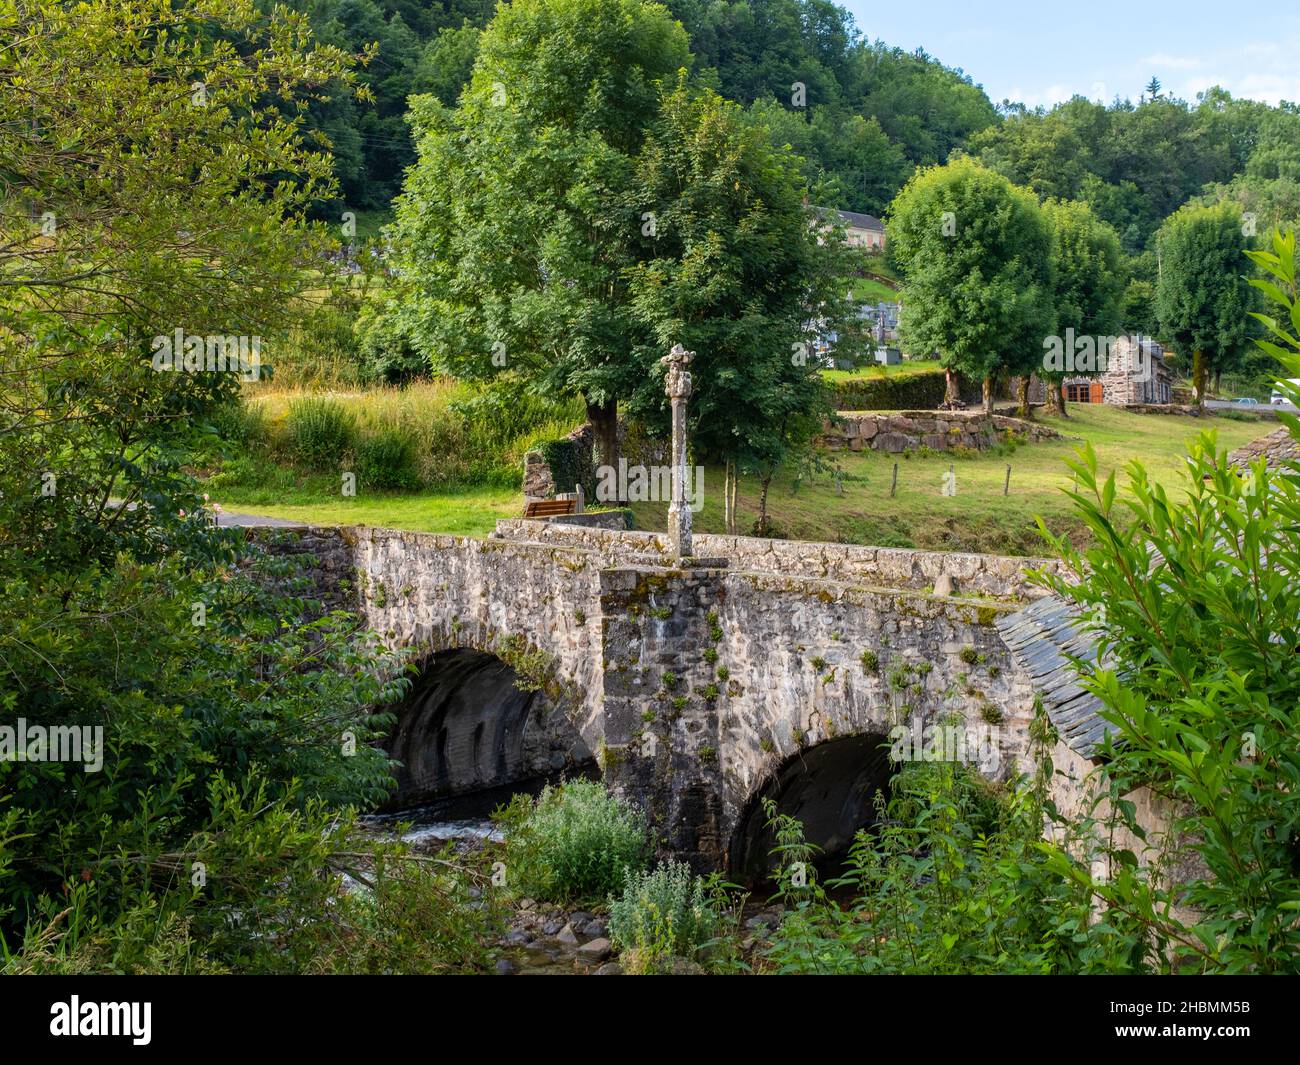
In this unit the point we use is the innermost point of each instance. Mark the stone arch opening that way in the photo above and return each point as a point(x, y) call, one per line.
point(466, 727)
point(831, 788)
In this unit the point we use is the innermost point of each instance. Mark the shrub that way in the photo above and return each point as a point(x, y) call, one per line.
point(320, 430)
point(386, 459)
point(574, 844)
point(660, 915)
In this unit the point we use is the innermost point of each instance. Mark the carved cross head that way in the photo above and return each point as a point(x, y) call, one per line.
point(677, 382)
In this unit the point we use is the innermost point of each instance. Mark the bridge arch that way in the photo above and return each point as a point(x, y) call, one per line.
point(469, 723)
point(831, 788)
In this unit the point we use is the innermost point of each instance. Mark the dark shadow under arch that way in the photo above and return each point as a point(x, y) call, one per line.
point(831, 788)
point(466, 727)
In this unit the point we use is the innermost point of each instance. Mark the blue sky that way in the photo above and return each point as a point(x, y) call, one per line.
point(1045, 52)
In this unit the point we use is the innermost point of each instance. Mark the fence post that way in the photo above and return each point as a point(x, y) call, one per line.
point(894, 483)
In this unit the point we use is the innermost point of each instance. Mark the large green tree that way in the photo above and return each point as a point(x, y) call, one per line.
point(518, 223)
point(975, 252)
point(1088, 283)
point(1202, 295)
point(741, 272)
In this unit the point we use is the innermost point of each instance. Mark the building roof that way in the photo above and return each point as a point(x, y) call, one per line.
point(861, 221)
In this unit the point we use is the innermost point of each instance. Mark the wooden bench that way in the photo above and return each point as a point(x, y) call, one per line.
point(550, 508)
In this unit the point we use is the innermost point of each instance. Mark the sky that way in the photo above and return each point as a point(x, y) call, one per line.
point(1044, 53)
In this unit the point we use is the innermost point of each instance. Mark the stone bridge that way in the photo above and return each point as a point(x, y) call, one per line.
point(770, 669)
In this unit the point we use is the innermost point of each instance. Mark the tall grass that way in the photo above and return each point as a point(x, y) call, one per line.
point(435, 434)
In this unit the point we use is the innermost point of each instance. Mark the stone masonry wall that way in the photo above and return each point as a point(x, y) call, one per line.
point(991, 576)
point(933, 429)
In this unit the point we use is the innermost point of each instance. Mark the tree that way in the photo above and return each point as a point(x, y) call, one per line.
point(517, 226)
point(1087, 286)
point(152, 185)
point(1202, 299)
point(1153, 88)
point(975, 252)
point(743, 274)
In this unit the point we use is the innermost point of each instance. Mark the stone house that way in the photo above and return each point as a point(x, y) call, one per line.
point(863, 230)
point(1136, 373)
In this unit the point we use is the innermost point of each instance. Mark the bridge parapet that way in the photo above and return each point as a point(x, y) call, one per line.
point(990, 576)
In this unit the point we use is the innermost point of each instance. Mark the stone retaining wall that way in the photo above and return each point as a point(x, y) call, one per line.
point(937, 430)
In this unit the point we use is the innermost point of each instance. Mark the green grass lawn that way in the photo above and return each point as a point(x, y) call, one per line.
point(873, 291)
point(977, 518)
point(911, 368)
point(317, 499)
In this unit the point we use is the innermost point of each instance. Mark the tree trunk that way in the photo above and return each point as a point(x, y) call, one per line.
point(729, 498)
point(988, 395)
point(1060, 398)
point(951, 390)
point(1198, 376)
point(735, 498)
point(760, 526)
point(604, 426)
point(1022, 395)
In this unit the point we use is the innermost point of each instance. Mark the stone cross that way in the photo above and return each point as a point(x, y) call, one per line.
point(677, 386)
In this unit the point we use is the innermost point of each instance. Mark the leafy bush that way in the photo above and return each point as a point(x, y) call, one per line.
point(923, 391)
point(951, 883)
point(660, 915)
point(574, 844)
point(320, 430)
point(1195, 598)
point(386, 459)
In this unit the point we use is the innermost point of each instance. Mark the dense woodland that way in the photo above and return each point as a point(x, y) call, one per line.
point(873, 113)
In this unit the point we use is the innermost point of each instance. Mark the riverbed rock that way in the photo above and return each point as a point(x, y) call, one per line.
point(580, 918)
point(610, 968)
point(505, 967)
point(594, 929)
point(527, 904)
point(553, 926)
point(568, 936)
point(517, 937)
point(596, 950)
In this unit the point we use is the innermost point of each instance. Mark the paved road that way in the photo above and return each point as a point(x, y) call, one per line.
point(1224, 404)
point(225, 518)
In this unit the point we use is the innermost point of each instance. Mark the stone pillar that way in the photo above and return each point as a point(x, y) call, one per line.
point(663, 738)
point(677, 386)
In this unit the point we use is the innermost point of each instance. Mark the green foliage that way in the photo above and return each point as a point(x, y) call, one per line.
point(1194, 599)
point(386, 459)
point(573, 844)
point(1087, 273)
point(975, 252)
point(1202, 299)
point(950, 882)
point(320, 432)
point(660, 915)
point(922, 391)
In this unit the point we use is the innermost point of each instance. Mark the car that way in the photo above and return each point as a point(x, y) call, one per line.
point(1246, 401)
point(1278, 399)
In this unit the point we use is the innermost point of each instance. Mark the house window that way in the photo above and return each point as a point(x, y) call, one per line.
point(1077, 393)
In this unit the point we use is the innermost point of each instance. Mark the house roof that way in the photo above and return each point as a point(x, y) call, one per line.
point(861, 221)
